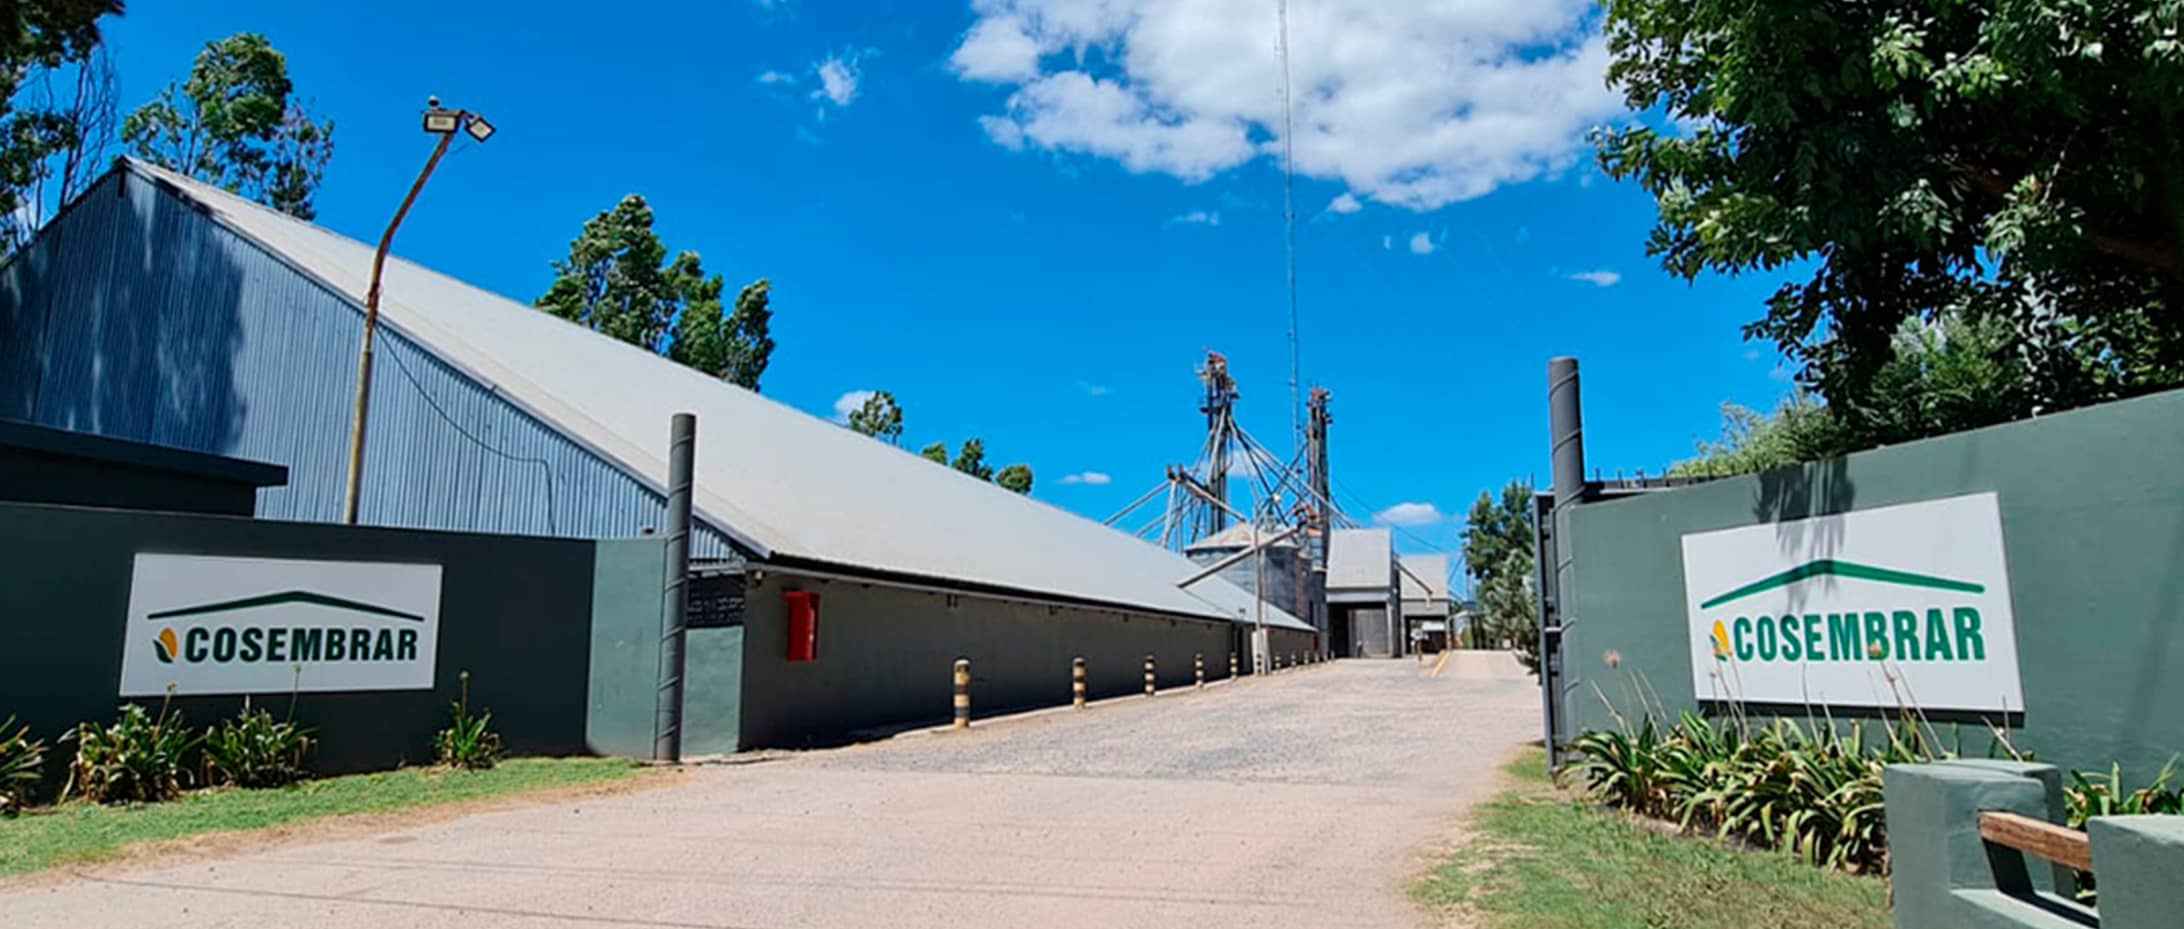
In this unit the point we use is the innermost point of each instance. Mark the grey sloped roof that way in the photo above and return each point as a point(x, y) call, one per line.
point(1431, 569)
point(1359, 559)
point(781, 482)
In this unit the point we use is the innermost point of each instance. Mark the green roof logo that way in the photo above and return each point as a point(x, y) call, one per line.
point(286, 596)
point(1828, 567)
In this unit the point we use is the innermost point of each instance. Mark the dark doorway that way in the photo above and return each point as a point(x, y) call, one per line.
point(1338, 629)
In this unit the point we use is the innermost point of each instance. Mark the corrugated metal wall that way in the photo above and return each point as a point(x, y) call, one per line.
point(134, 316)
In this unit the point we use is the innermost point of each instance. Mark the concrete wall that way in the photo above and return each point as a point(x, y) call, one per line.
point(515, 612)
point(2093, 519)
point(886, 656)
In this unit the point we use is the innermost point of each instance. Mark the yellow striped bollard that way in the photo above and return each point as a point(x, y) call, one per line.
point(1232, 665)
point(963, 693)
point(1198, 670)
point(1076, 682)
point(1148, 675)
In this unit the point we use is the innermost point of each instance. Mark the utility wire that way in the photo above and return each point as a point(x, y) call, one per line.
point(546, 468)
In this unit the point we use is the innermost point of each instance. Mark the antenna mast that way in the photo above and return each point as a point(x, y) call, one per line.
point(1289, 224)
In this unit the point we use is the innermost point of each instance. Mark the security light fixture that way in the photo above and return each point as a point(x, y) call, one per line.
point(478, 128)
point(441, 121)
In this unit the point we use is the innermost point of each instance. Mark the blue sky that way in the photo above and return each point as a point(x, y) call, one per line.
point(1030, 218)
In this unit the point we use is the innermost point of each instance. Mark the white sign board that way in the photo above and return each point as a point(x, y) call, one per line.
point(1900, 606)
point(260, 625)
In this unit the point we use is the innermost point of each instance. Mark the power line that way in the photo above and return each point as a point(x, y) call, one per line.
point(1289, 224)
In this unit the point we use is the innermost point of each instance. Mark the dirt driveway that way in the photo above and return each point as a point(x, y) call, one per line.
point(1298, 800)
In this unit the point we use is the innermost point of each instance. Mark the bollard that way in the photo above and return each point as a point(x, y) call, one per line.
point(1292, 659)
point(1232, 665)
point(963, 693)
point(1076, 682)
point(1198, 670)
point(1148, 675)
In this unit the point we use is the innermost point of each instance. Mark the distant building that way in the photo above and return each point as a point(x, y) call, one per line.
point(1363, 606)
point(1426, 601)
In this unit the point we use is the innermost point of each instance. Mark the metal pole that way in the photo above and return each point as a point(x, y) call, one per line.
point(668, 706)
point(351, 496)
point(1566, 432)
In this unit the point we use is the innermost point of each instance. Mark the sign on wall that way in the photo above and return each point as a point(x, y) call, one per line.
point(212, 625)
point(1900, 606)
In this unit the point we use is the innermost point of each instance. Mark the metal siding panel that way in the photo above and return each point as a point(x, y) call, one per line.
point(206, 342)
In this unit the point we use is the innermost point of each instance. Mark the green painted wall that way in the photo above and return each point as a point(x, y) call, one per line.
point(625, 646)
point(886, 656)
point(712, 691)
point(2093, 518)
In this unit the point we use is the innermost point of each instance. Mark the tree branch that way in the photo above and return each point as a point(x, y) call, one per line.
point(2152, 257)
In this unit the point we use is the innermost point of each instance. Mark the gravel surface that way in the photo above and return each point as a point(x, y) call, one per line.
point(1297, 800)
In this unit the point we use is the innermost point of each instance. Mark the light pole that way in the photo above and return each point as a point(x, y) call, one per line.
point(443, 123)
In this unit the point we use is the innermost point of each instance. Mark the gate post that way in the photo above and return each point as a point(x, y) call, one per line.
point(1566, 433)
point(668, 702)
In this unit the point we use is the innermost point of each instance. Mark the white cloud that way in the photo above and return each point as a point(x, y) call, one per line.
point(1195, 218)
point(1602, 278)
point(838, 79)
point(1422, 244)
point(1094, 478)
point(1347, 203)
point(776, 77)
point(1094, 390)
point(1409, 514)
point(849, 403)
point(1413, 105)
point(1387, 242)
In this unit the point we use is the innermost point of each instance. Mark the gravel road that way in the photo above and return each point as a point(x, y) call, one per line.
point(1297, 800)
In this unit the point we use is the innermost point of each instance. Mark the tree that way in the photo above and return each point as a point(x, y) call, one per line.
point(972, 460)
point(234, 124)
point(936, 453)
point(2012, 162)
point(1499, 549)
point(881, 419)
point(1800, 429)
point(57, 107)
point(1015, 477)
point(614, 281)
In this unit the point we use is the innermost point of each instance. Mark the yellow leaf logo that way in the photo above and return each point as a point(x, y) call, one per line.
point(165, 646)
point(1721, 641)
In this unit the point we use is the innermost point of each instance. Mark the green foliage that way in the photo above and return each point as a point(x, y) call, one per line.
point(2087, 796)
point(936, 453)
point(256, 750)
point(1813, 788)
point(80, 832)
point(617, 280)
point(1800, 429)
point(1500, 553)
point(2013, 161)
point(881, 418)
point(138, 759)
point(1015, 477)
point(57, 92)
point(971, 460)
point(234, 123)
point(469, 742)
point(22, 761)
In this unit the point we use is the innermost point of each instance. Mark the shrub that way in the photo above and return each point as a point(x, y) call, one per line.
point(138, 759)
point(469, 741)
point(256, 750)
point(2104, 795)
point(22, 760)
point(1814, 789)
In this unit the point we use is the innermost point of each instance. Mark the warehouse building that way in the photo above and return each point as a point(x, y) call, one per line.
point(1427, 604)
point(162, 310)
point(1363, 608)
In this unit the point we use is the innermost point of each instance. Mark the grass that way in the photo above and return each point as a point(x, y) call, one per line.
point(1539, 860)
point(79, 832)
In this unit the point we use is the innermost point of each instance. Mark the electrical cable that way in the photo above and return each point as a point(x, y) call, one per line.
point(544, 466)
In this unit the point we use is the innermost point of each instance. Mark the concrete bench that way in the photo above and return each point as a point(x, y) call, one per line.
point(1961, 833)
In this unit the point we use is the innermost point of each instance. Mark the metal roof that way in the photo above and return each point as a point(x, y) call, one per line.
point(781, 482)
point(1360, 559)
point(1236, 537)
point(1432, 569)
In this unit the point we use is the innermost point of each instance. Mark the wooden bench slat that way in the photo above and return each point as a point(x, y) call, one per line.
point(2044, 839)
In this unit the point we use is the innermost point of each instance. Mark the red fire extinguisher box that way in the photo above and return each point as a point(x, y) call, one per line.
point(803, 624)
